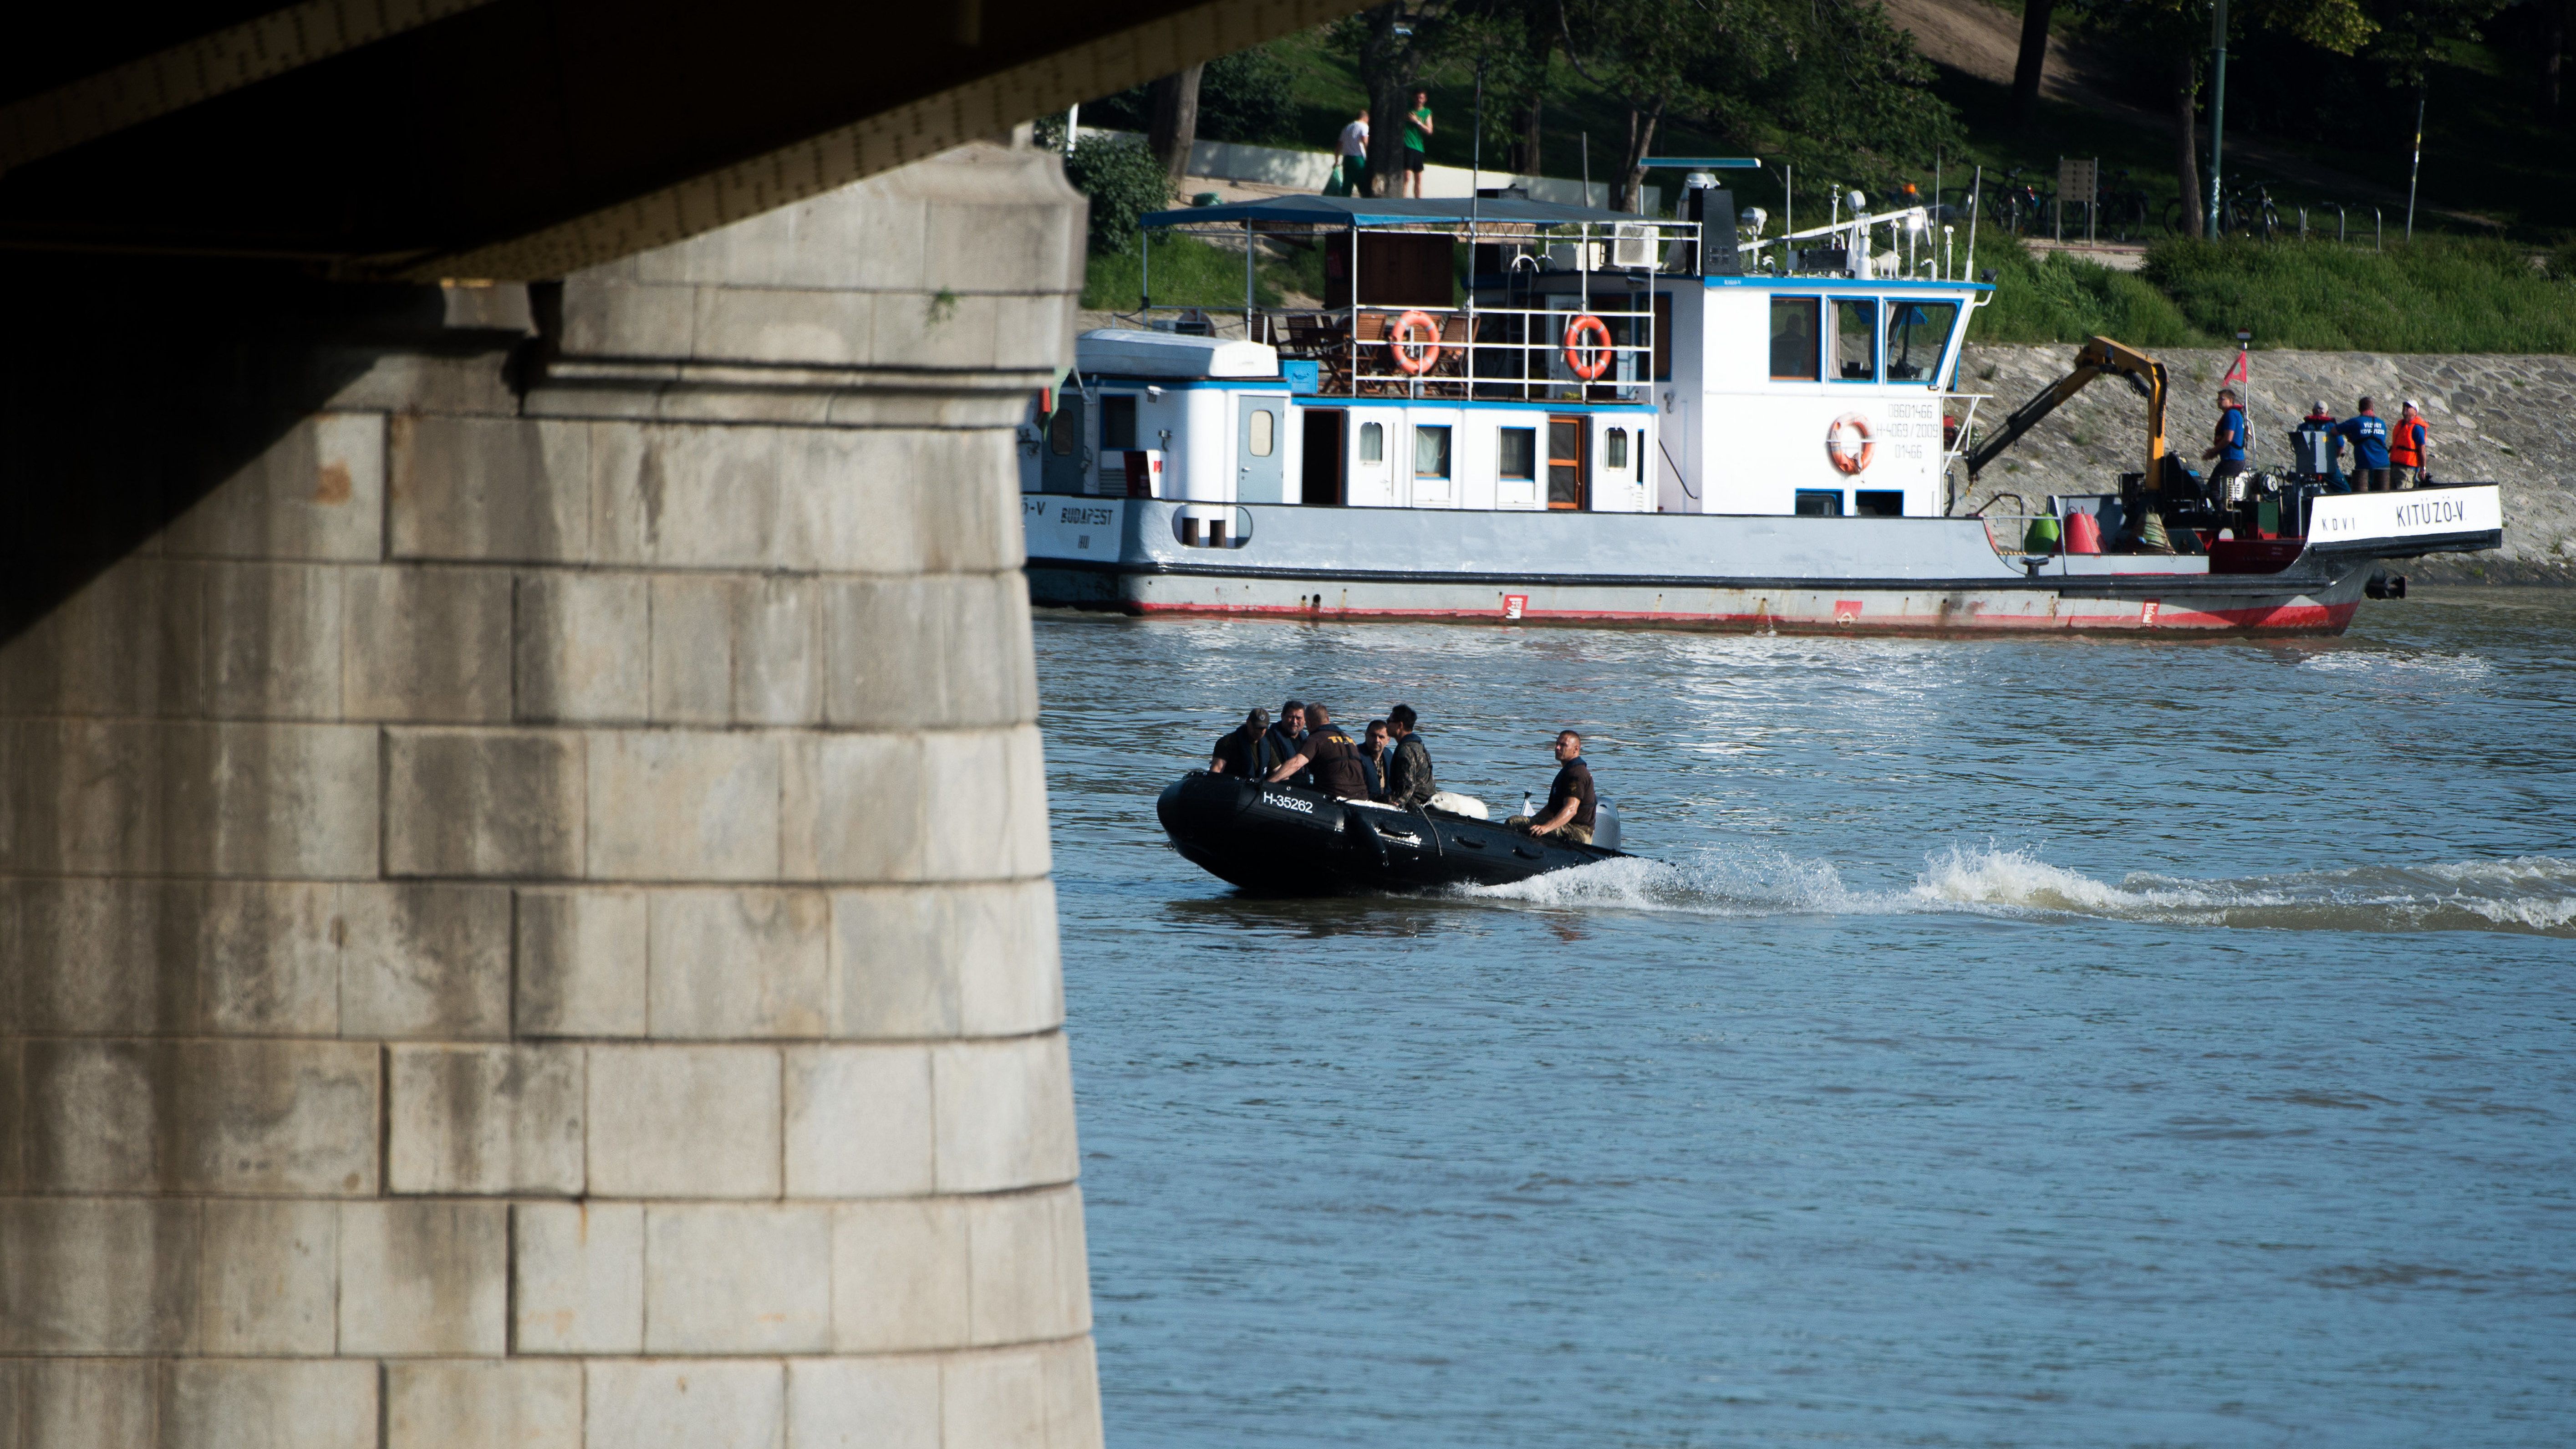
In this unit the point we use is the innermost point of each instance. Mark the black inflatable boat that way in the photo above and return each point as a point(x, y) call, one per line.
point(1284, 840)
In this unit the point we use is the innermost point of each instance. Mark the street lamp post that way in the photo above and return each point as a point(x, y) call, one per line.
point(2217, 105)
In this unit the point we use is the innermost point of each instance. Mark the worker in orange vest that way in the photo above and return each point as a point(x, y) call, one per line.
point(2410, 446)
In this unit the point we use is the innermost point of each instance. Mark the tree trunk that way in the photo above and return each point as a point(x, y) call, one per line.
point(2033, 62)
point(2553, 57)
point(1628, 192)
point(1386, 73)
point(2187, 142)
point(1529, 153)
point(1176, 121)
point(1526, 156)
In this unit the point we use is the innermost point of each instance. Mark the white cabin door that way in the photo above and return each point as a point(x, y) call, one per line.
point(1261, 450)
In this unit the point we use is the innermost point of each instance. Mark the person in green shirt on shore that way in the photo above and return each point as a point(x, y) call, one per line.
point(1417, 129)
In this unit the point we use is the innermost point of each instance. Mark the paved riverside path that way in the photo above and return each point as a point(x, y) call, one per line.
point(524, 901)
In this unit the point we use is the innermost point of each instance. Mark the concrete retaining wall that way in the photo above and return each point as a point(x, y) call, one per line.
point(2500, 418)
point(524, 912)
point(1309, 170)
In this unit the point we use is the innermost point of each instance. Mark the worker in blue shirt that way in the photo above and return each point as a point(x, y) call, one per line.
point(2227, 445)
point(2369, 434)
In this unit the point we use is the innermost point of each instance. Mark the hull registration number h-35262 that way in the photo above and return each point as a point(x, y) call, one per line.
point(1288, 802)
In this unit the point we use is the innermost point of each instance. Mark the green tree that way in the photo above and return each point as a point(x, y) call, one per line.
point(1655, 58)
point(1396, 45)
point(1124, 182)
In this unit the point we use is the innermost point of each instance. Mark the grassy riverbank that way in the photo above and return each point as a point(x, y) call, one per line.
point(2437, 294)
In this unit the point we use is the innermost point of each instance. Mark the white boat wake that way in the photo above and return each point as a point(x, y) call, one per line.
point(2532, 894)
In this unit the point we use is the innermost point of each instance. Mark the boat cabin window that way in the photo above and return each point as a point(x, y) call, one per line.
point(1916, 334)
point(1430, 452)
point(1820, 503)
point(1117, 421)
point(1372, 442)
point(1064, 432)
point(1878, 503)
point(1795, 334)
point(1856, 341)
point(1519, 453)
point(1616, 447)
point(1261, 432)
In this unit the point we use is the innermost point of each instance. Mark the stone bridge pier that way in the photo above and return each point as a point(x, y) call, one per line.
point(524, 915)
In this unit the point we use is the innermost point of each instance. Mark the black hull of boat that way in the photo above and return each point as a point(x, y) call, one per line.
point(1285, 841)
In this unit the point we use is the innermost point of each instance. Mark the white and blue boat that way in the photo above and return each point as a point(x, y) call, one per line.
point(1508, 410)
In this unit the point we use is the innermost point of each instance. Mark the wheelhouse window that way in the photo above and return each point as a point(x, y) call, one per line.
point(1820, 503)
point(1879, 503)
point(1430, 452)
point(1796, 337)
point(1519, 453)
point(1372, 442)
point(1118, 421)
point(1855, 341)
point(1917, 332)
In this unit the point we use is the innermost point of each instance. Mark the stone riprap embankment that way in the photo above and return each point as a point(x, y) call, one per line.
point(2493, 417)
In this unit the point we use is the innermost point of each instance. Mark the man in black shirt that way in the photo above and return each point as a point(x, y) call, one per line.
point(1408, 770)
point(1238, 751)
point(1286, 736)
point(1333, 757)
point(1570, 801)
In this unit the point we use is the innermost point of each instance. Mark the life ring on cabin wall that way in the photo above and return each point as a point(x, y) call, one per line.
point(1414, 341)
point(1576, 350)
point(1846, 455)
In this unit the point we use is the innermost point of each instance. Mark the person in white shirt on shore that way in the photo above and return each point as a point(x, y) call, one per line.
point(1353, 176)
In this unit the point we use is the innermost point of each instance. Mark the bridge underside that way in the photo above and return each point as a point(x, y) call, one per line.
point(527, 138)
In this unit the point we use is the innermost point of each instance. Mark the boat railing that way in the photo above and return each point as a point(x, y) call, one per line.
point(1603, 352)
point(2009, 534)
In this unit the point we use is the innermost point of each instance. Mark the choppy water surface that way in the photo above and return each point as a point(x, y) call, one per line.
point(2040, 1043)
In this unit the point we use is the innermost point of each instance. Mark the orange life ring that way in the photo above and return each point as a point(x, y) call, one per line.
point(1414, 357)
point(1845, 457)
point(1575, 350)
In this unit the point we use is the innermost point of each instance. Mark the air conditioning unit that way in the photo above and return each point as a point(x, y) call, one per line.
point(1632, 244)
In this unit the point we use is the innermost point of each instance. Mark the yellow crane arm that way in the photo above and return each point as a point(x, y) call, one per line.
point(2097, 357)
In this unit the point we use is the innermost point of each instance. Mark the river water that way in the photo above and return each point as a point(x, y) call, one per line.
point(2017, 1042)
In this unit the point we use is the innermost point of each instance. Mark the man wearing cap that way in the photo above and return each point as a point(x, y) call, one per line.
point(2410, 446)
point(2319, 449)
point(2368, 432)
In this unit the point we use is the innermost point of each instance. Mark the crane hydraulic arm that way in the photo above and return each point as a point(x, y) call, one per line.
point(2097, 357)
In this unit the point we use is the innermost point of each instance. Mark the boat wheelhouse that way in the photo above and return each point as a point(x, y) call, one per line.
point(1519, 410)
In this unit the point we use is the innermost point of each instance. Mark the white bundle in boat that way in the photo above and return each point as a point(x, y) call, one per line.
point(1457, 804)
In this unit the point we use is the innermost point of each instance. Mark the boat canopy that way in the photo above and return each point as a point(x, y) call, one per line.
point(1381, 211)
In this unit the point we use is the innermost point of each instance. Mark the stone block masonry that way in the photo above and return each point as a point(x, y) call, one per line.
point(524, 914)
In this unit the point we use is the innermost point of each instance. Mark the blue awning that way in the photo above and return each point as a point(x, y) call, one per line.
point(1382, 211)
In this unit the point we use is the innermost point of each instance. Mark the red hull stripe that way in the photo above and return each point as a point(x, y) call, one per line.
point(2265, 619)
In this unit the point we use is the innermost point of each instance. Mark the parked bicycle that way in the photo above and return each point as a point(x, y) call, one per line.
point(2017, 205)
point(2247, 211)
point(2127, 211)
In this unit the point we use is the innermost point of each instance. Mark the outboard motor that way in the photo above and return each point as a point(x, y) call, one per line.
point(1605, 824)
